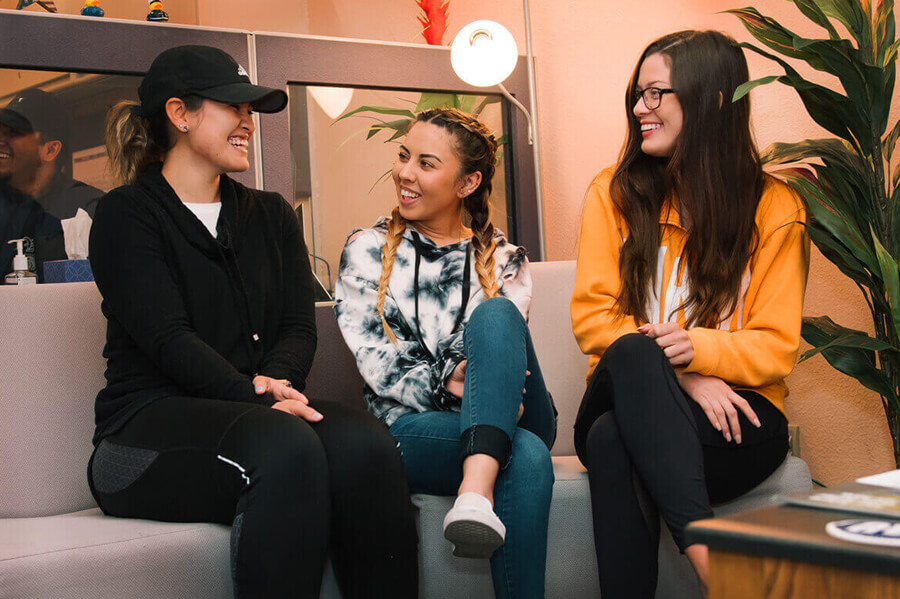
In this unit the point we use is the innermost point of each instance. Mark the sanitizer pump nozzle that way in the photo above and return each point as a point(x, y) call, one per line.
point(20, 275)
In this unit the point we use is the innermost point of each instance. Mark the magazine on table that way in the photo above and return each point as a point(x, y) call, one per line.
point(877, 495)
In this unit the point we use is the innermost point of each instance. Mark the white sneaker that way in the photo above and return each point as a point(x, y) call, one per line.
point(473, 527)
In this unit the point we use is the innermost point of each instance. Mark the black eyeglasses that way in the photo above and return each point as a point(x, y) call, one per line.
point(652, 96)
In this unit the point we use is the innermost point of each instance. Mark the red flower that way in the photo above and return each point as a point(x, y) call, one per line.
point(434, 21)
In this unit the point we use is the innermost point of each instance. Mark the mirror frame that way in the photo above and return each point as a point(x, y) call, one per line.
point(79, 44)
point(284, 59)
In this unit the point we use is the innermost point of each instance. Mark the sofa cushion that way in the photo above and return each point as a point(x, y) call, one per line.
point(86, 555)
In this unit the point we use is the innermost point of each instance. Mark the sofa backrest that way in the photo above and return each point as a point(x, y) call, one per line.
point(562, 363)
point(51, 341)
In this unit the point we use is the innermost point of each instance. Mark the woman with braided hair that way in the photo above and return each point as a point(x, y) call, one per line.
point(435, 314)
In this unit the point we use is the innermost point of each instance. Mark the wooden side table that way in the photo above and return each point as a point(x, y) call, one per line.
point(783, 552)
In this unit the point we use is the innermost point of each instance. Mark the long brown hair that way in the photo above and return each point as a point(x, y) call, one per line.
point(476, 149)
point(714, 176)
point(134, 141)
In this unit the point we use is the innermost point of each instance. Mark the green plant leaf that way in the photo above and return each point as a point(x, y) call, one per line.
point(894, 212)
point(851, 341)
point(851, 15)
point(484, 103)
point(744, 88)
point(890, 274)
point(777, 37)
point(887, 145)
point(869, 87)
point(811, 9)
point(833, 111)
point(400, 126)
point(436, 100)
point(383, 176)
point(885, 29)
point(377, 110)
point(466, 102)
point(840, 256)
point(821, 207)
point(856, 362)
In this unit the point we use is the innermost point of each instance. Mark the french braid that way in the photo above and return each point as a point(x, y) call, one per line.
point(477, 151)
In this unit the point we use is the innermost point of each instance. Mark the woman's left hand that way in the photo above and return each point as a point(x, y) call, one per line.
point(673, 340)
point(278, 389)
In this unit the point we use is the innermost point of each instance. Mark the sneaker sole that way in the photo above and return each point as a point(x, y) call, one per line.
point(472, 539)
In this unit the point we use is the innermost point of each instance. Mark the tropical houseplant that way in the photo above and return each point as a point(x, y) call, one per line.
point(849, 182)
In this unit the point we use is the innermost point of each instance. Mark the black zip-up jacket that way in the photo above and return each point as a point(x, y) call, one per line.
point(190, 315)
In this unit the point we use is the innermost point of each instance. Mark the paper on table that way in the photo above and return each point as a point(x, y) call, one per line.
point(890, 479)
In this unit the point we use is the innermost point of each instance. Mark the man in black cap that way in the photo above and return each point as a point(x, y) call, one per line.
point(36, 154)
point(36, 185)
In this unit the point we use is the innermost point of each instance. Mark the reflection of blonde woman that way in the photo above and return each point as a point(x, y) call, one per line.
point(435, 315)
point(207, 289)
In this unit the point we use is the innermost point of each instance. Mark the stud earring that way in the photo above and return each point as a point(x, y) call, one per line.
point(184, 128)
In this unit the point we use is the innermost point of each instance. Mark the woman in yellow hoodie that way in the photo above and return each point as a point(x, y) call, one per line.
point(692, 266)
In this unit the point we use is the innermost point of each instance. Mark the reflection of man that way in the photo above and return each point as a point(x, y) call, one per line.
point(36, 154)
point(36, 185)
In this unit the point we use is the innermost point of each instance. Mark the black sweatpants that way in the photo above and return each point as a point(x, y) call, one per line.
point(650, 450)
point(292, 492)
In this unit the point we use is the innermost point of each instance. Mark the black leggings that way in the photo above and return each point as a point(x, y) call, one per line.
point(648, 447)
point(292, 491)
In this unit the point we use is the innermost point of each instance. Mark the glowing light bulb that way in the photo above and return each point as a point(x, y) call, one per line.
point(483, 53)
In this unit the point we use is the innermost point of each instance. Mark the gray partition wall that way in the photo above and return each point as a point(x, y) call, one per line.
point(283, 60)
point(78, 44)
point(74, 44)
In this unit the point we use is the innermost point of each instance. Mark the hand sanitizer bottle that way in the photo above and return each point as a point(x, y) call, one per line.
point(20, 275)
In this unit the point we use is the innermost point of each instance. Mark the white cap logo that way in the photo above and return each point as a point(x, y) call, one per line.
point(242, 72)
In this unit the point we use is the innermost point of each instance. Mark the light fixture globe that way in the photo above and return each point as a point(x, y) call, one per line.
point(333, 100)
point(483, 53)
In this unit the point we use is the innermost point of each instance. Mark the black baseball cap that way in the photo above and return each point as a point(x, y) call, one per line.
point(36, 110)
point(206, 72)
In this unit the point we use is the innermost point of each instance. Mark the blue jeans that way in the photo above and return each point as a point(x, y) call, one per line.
point(498, 351)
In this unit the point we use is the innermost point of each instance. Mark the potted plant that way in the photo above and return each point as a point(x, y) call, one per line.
point(849, 182)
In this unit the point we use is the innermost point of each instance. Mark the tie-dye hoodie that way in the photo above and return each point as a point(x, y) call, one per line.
point(408, 377)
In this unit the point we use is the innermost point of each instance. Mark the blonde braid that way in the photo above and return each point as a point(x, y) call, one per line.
point(396, 226)
point(484, 245)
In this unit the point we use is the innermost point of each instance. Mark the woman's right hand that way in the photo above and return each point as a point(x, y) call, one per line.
point(298, 408)
point(457, 381)
point(456, 384)
point(718, 401)
point(287, 399)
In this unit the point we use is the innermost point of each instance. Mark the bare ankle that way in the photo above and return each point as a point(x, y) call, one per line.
point(698, 555)
point(479, 475)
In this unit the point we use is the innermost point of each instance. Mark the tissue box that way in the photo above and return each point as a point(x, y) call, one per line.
point(67, 271)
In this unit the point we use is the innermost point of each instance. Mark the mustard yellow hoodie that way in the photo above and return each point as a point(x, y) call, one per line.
point(753, 349)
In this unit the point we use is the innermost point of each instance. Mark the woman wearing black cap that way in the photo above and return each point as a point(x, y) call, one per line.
point(208, 294)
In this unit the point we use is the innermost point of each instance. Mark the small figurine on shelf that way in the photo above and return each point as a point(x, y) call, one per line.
point(92, 9)
point(157, 13)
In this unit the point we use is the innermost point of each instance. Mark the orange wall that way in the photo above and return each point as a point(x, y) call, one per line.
point(585, 51)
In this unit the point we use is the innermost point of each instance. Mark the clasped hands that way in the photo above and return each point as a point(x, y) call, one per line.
point(287, 399)
point(719, 401)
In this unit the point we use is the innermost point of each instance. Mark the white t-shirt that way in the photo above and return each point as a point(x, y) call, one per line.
point(208, 214)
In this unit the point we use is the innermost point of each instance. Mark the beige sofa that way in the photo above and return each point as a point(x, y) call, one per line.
point(55, 543)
